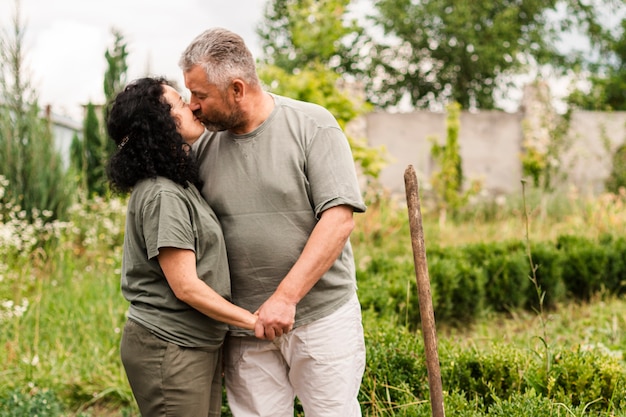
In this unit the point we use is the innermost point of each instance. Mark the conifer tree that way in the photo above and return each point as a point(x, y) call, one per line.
point(29, 159)
point(89, 156)
point(94, 156)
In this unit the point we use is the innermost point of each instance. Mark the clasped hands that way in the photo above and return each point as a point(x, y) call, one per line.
point(275, 318)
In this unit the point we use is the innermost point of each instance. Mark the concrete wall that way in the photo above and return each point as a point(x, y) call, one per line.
point(594, 137)
point(491, 146)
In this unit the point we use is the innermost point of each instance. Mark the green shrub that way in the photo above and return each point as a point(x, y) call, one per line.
point(548, 263)
point(584, 265)
point(395, 380)
point(488, 375)
point(385, 285)
point(457, 284)
point(506, 268)
point(588, 378)
point(616, 263)
point(617, 178)
point(503, 380)
point(527, 404)
point(40, 403)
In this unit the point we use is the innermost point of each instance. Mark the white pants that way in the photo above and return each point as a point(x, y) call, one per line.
point(321, 363)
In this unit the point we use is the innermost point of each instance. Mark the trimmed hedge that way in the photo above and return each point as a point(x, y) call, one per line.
point(467, 281)
point(503, 381)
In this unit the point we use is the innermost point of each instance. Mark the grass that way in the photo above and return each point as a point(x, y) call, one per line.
point(61, 309)
point(599, 324)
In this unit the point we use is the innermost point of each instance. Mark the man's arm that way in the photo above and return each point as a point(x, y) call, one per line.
point(277, 315)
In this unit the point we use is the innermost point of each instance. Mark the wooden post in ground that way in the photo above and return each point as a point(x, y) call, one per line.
point(427, 313)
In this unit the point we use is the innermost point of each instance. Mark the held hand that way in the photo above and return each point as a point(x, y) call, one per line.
point(275, 318)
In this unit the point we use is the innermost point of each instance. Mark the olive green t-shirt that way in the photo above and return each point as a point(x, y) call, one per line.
point(161, 214)
point(268, 189)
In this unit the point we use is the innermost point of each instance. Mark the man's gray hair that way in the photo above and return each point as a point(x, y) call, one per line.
point(223, 55)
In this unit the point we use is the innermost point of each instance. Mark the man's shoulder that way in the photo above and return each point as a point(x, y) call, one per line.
point(299, 108)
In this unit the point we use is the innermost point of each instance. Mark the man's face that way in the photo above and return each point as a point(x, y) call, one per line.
point(216, 109)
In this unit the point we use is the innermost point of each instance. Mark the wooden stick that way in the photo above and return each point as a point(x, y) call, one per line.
point(427, 313)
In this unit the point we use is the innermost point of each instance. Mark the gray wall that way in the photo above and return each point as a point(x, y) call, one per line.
point(491, 146)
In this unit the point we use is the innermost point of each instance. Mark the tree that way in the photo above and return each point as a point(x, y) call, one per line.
point(94, 153)
point(438, 51)
point(448, 181)
point(30, 162)
point(114, 77)
point(299, 33)
point(306, 43)
point(608, 80)
point(89, 156)
point(617, 178)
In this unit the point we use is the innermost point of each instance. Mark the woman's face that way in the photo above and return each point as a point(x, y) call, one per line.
point(187, 124)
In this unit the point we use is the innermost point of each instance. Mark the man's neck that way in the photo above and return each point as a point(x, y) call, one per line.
point(258, 109)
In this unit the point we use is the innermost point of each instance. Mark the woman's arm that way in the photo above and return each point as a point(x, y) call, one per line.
point(179, 266)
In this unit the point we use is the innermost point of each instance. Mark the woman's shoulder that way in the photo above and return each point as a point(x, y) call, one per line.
point(150, 188)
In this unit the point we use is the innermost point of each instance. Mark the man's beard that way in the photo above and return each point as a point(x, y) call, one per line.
point(222, 121)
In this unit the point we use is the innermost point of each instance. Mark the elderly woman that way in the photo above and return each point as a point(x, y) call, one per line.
point(175, 271)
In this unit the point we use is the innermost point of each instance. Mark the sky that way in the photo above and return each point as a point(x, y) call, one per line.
point(65, 40)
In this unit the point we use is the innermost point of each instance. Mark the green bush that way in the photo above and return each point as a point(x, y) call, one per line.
point(617, 178)
point(487, 375)
point(527, 404)
point(588, 378)
point(548, 263)
point(468, 281)
point(458, 286)
point(395, 379)
point(584, 265)
point(504, 380)
point(506, 268)
point(41, 403)
point(385, 285)
point(616, 263)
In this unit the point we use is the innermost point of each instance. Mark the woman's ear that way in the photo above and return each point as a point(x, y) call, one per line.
point(177, 120)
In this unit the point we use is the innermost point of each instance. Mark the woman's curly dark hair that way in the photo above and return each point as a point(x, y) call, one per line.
point(140, 123)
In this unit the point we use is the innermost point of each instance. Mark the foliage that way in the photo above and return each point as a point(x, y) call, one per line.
point(296, 34)
point(436, 51)
point(60, 306)
point(608, 80)
point(395, 376)
point(50, 299)
point(471, 280)
point(545, 138)
point(42, 403)
point(318, 85)
point(500, 380)
point(29, 157)
point(448, 181)
point(114, 78)
point(489, 375)
point(617, 177)
point(94, 153)
point(301, 41)
point(90, 154)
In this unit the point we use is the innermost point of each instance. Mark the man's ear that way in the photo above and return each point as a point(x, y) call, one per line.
point(239, 89)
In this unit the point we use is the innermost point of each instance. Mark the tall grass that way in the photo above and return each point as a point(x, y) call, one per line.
point(61, 308)
point(488, 219)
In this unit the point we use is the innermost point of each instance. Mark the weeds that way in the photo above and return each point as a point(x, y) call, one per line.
point(61, 313)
